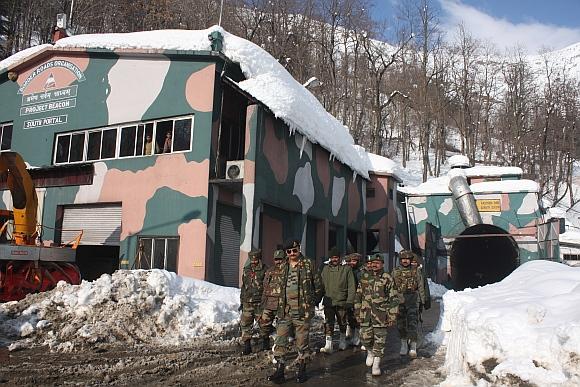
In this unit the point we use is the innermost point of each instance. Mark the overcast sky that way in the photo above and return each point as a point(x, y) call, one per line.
point(530, 24)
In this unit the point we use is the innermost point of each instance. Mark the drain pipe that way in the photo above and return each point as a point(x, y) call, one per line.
point(464, 199)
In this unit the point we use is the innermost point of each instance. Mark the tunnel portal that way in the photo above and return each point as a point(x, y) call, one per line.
point(483, 254)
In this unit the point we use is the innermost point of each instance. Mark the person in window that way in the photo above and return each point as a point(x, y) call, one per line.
point(148, 148)
point(168, 142)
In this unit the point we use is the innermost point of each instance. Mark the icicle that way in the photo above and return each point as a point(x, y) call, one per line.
point(302, 146)
point(353, 176)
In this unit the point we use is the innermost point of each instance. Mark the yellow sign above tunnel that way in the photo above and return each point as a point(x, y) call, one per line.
point(488, 205)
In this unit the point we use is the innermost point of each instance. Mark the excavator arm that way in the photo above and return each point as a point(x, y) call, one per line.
point(24, 199)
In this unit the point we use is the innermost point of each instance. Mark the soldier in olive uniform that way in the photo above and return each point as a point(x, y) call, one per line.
point(300, 290)
point(339, 289)
point(251, 296)
point(376, 306)
point(410, 284)
point(270, 298)
point(353, 328)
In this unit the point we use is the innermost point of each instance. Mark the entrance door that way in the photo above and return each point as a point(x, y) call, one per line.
point(227, 245)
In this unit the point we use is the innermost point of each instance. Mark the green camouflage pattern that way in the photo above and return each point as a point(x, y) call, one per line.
point(376, 300)
point(294, 325)
point(251, 311)
point(252, 284)
point(272, 288)
point(374, 339)
point(409, 280)
point(408, 317)
point(266, 322)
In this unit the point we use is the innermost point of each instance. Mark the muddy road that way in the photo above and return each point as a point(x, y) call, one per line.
point(213, 363)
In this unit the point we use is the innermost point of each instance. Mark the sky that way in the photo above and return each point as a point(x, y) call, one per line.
point(530, 24)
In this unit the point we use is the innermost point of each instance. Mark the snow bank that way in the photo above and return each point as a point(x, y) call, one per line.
point(142, 306)
point(523, 330)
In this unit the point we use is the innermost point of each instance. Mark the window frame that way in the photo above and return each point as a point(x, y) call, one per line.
point(150, 260)
point(118, 137)
point(3, 125)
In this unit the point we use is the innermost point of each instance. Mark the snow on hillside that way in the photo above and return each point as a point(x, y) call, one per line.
point(129, 307)
point(524, 330)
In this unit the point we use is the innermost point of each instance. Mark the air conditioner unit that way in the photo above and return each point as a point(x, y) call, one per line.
point(234, 169)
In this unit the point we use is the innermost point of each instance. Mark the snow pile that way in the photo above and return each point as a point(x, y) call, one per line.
point(436, 290)
point(132, 307)
point(524, 330)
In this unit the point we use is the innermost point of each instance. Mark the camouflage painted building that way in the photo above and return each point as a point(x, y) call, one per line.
point(481, 229)
point(164, 161)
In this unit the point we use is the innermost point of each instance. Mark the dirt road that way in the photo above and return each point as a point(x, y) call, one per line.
point(211, 363)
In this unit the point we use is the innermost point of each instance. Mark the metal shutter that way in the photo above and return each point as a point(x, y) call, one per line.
point(227, 249)
point(101, 224)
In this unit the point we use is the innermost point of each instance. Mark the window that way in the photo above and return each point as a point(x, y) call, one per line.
point(157, 253)
point(6, 136)
point(139, 139)
point(571, 257)
point(370, 192)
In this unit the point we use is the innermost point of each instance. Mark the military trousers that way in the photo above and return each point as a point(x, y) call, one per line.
point(374, 339)
point(266, 320)
point(408, 317)
point(291, 323)
point(250, 312)
point(351, 319)
point(332, 315)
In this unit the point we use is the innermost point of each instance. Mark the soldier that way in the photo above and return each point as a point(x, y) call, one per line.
point(270, 298)
point(251, 296)
point(339, 289)
point(300, 290)
point(352, 330)
point(410, 285)
point(376, 306)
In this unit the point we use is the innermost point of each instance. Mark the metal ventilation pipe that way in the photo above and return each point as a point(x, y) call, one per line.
point(464, 200)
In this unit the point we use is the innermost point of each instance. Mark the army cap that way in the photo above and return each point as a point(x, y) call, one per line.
point(255, 253)
point(279, 254)
point(407, 254)
point(375, 257)
point(333, 252)
point(352, 256)
point(291, 243)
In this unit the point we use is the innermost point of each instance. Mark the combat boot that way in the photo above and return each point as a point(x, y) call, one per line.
point(356, 337)
point(413, 350)
point(301, 373)
point(266, 343)
point(342, 342)
point(247, 348)
point(376, 370)
point(278, 375)
point(370, 358)
point(328, 347)
point(404, 347)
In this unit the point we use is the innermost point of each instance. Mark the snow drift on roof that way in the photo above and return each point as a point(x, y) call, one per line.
point(380, 164)
point(267, 81)
point(22, 55)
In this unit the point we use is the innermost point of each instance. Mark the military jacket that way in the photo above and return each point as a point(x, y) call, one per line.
point(310, 289)
point(252, 284)
point(272, 288)
point(409, 280)
point(339, 285)
point(376, 301)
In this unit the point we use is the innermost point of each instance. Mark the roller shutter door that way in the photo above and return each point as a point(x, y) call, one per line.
point(101, 224)
point(227, 249)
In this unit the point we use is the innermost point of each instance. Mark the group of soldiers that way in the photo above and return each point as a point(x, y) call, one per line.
point(361, 298)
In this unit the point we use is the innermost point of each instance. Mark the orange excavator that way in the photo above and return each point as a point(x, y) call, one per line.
point(26, 266)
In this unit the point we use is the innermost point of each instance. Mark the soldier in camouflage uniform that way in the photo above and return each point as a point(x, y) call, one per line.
point(410, 285)
point(300, 290)
point(270, 298)
point(353, 328)
point(251, 296)
point(376, 307)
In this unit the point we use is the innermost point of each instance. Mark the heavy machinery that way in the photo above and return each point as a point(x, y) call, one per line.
point(26, 266)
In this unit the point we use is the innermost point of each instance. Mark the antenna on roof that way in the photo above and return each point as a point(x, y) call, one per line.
point(221, 9)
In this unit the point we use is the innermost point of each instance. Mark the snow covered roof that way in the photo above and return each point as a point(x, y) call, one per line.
point(267, 81)
point(383, 165)
point(572, 237)
point(458, 161)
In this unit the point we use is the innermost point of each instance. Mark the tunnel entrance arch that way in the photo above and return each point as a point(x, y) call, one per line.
point(483, 254)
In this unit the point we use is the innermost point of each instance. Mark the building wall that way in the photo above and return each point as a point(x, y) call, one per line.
point(161, 195)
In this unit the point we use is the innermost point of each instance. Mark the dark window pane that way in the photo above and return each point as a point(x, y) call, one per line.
point(94, 147)
point(140, 134)
point(62, 147)
point(163, 136)
point(148, 144)
point(182, 135)
point(159, 253)
point(6, 137)
point(109, 143)
point(172, 248)
point(144, 255)
point(77, 147)
point(128, 141)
